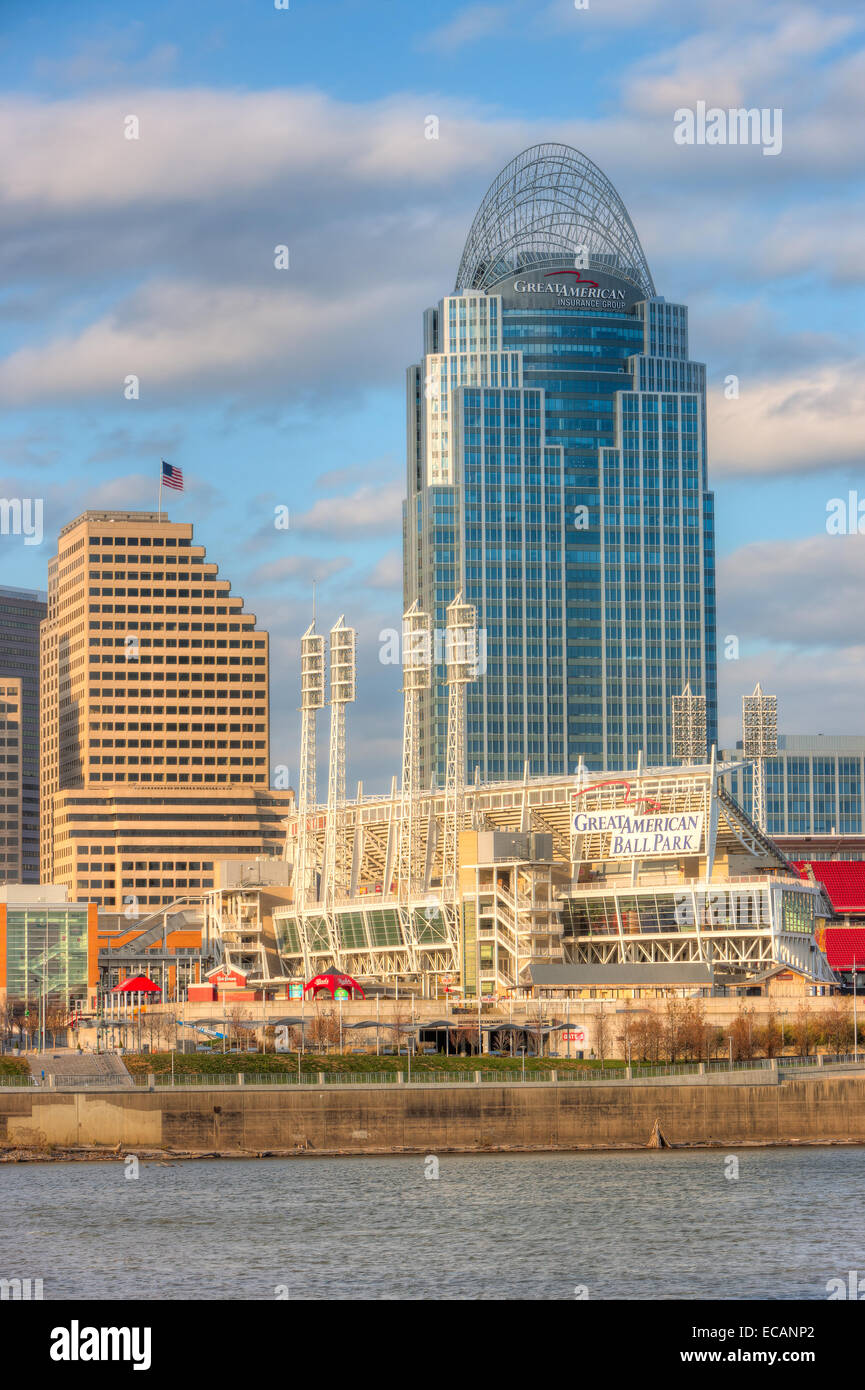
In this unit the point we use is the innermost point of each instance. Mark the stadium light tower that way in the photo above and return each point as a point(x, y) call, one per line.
point(759, 742)
point(311, 701)
point(417, 677)
point(689, 726)
point(343, 690)
point(461, 655)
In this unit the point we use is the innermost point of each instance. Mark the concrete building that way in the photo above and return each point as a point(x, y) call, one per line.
point(155, 718)
point(21, 612)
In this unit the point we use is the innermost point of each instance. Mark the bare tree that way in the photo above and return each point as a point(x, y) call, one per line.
point(647, 1037)
point(675, 1028)
point(836, 1027)
point(322, 1031)
point(805, 1031)
point(399, 1023)
point(694, 1032)
point(768, 1037)
point(236, 1016)
point(56, 1018)
point(603, 1035)
point(466, 1037)
point(741, 1034)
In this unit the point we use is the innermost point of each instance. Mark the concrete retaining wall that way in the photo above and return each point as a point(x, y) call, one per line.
point(362, 1119)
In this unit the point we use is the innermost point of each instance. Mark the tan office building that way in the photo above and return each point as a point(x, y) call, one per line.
point(154, 716)
point(11, 779)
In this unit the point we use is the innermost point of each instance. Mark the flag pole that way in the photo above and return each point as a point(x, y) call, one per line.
point(159, 504)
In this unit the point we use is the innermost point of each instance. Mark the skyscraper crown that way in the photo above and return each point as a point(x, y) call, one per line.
point(548, 203)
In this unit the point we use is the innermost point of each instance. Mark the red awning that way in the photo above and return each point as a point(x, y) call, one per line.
point(329, 983)
point(139, 984)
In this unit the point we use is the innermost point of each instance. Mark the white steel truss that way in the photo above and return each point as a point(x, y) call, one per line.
point(417, 677)
point(311, 701)
point(760, 741)
point(343, 690)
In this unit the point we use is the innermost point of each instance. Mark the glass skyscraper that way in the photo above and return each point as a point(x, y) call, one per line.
point(557, 476)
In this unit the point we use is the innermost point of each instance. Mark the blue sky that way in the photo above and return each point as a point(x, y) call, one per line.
point(305, 127)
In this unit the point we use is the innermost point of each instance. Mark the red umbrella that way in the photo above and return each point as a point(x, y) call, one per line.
point(139, 984)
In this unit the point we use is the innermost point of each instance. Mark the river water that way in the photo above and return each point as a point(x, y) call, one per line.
point(648, 1225)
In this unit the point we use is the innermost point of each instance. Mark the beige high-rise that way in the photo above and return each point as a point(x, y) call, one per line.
point(154, 716)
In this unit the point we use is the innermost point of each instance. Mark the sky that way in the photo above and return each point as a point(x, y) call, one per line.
point(306, 128)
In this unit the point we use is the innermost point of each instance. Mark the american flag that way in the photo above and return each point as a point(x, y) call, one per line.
point(172, 477)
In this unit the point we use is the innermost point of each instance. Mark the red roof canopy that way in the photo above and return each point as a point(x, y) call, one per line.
point(843, 879)
point(843, 946)
point(138, 984)
point(330, 982)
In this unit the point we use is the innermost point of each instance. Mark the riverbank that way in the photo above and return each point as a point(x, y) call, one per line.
point(444, 1118)
point(166, 1158)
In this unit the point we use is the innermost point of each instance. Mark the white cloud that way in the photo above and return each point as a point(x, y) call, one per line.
point(796, 607)
point(387, 573)
point(368, 511)
point(473, 23)
point(308, 568)
point(801, 593)
point(171, 334)
point(735, 64)
point(800, 423)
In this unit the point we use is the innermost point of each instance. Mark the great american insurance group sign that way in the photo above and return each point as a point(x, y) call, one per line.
point(568, 289)
point(634, 834)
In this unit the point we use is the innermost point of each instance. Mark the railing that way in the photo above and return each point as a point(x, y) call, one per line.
point(422, 1077)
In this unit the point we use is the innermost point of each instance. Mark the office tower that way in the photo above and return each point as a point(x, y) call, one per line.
point(21, 612)
point(11, 701)
point(155, 720)
point(557, 477)
point(815, 794)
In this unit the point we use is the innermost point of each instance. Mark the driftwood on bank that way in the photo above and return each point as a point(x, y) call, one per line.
point(656, 1138)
